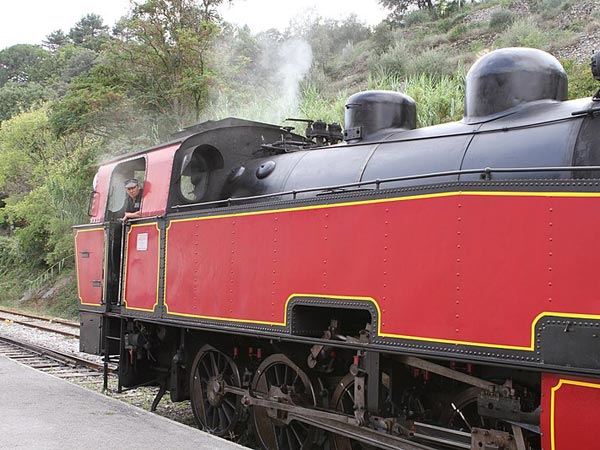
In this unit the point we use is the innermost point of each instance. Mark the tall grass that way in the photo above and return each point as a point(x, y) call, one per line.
point(439, 98)
point(315, 105)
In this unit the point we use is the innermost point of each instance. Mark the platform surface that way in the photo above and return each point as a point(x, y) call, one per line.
point(42, 412)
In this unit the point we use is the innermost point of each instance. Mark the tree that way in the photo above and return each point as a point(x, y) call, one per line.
point(18, 97)
point(22, 63)
point(89, 32)
point(401, 6)
point(46, 182)
point(163, 49)
point(55, 40)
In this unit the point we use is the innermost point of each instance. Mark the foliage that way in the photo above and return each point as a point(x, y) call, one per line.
point(410, 12)
point(90, 32)
point(328, 37)
point(22, 63)
point(318, 106)
point(18, 97)
point(457, 32)
point(445, 106)
point(46, 180)
point(55, 40)
point(581, 82)
point(524, 33)
point(163, 47)
point(501, 19)
point(91, 104)
point(416, 17)
point(402, 61)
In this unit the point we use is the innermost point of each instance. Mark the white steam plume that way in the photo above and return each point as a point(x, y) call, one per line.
point(293, 61)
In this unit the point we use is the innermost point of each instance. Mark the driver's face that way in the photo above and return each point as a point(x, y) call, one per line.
point(134, 191)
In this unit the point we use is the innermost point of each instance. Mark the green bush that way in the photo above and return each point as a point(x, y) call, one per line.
point(501, 20)
point(432, 62)
point(458, 32)
point(524, 33)
point(394, 61)
point(416, 17)
point(315, 105)
point(445, 25)
point(581, 81)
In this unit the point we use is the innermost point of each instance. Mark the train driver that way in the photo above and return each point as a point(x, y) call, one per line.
point(134, 200)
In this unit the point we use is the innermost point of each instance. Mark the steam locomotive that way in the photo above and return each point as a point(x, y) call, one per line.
point(386, 287)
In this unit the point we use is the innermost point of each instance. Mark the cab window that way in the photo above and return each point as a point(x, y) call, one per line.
point(117, 194)
point(196, 168)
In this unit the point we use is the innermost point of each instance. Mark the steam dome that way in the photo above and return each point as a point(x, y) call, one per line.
point(370, 112)
point(506, 78)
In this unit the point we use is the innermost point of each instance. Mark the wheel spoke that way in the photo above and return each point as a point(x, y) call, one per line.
point(229, 403)
point(291, 443)
point(213, 364)
point(294, 426)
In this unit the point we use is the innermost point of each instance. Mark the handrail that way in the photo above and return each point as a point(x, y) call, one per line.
point(487, 171)
point(49, 273)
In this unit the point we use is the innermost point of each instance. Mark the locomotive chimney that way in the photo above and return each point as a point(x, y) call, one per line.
point(370, 114)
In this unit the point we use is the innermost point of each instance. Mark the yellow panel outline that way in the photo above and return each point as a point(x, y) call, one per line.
point(157, 269)
point(528, 348)
point(393, 200)
point(81, 302)
point(560, 384)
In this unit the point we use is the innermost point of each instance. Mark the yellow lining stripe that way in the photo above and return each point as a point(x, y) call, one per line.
point(77, 267)
point(396, 199)
point(530, 347)
point(562, 382)
point(157, 269)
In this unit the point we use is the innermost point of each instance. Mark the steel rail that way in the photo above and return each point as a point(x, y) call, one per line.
point(33, 316)
point(40, 327)
point(59, 356)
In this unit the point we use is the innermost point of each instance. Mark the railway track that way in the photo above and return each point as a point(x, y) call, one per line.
point(58, 326)
point(59, 364)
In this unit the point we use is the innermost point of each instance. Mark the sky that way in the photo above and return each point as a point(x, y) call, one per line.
point(30, 21)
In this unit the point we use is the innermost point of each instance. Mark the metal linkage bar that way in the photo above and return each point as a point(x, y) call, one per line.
point(446, 372)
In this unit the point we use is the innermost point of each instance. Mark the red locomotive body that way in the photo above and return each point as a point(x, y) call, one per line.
point(411, 288)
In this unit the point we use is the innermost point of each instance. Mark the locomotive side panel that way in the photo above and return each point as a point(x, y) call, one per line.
point(441, 258)
point(89, 264)
point(266, 258)
point(141, 267)
point(569, 412)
